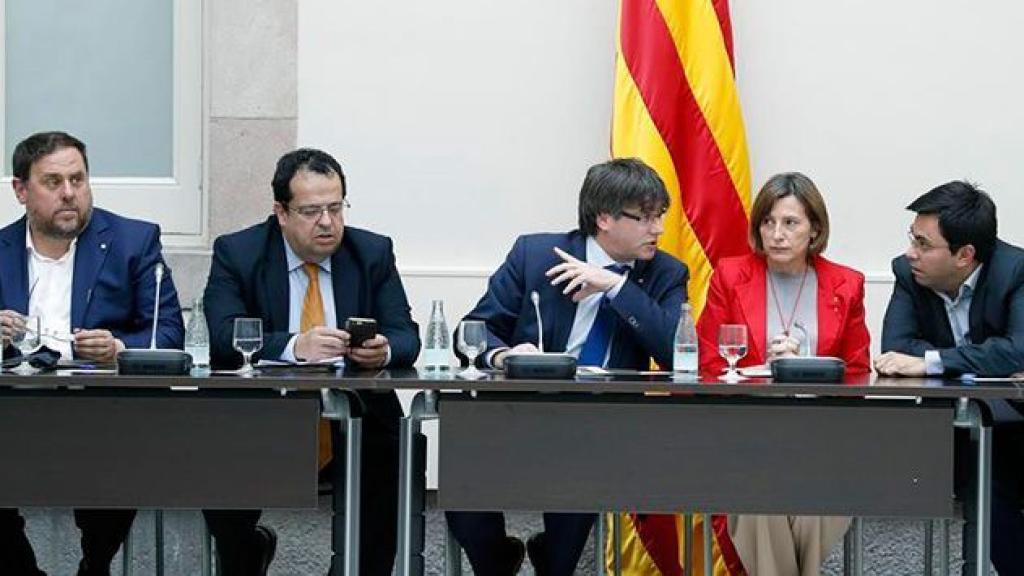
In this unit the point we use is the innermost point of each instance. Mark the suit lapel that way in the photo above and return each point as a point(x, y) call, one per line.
point(564, 307)
point(976, 315)
point(751, 292)
point(275, 281)
point(829, 307)
point(15, 283)
point(345, 284)
point(90, 254)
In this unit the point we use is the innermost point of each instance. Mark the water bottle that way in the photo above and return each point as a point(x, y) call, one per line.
point(197, 336)
point(437, 346)
point(684, 354)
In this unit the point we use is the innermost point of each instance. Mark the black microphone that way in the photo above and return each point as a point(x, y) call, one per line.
point(540, 365)
point(154, 361)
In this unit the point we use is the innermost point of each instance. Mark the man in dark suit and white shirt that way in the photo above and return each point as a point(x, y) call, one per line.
point(304, 273)
point(608, 296)
point(88, 274)
point(957, 307)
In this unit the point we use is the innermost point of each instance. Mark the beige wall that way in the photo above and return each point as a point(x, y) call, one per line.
point(251, 109)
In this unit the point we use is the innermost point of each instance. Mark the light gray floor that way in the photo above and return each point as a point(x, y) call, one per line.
point(891, 547)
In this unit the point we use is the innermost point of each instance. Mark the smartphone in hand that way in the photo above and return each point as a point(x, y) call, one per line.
point(360, 330)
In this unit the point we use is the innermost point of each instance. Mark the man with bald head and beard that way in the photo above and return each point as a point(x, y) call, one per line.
point(89, 275)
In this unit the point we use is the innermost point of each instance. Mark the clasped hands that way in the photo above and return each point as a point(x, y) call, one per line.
point(97, 344)
point(782, 345)
point(322, 342)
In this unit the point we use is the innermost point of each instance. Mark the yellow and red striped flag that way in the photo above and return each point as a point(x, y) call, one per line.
point(677, 108)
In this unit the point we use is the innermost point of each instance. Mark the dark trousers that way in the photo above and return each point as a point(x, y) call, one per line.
point(1007, 526)
point(103, 532)
point(16, 556)
point(378, 502)
point(482, 535)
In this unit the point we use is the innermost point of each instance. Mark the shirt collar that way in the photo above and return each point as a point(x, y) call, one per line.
point(966, 289)
point(30, 247)
point(598, 257)
point(295, 262)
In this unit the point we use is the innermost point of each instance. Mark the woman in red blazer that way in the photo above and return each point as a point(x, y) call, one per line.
point(786, 293)
point(788, 231)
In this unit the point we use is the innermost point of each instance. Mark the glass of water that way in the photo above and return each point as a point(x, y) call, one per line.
point(247, 340)
point(26, 338)
point(732, 345)
point(472, 343)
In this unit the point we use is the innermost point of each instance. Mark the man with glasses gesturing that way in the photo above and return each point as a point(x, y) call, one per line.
point(303, 272)
point(609, 297)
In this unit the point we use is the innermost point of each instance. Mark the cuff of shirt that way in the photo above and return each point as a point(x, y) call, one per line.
point(489, 356)
point(288, 355)
point(933, 363)
point(614, 290)
point(387, 356)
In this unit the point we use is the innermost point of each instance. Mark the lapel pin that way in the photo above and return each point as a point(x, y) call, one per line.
point(103, 246)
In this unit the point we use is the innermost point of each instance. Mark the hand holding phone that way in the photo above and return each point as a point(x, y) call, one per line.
point(360, 330)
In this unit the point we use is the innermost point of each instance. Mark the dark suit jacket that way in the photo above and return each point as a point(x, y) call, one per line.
point(916, 319)
point(249, 278)
point(737, 296)
point(647, 307)
point(114, 282)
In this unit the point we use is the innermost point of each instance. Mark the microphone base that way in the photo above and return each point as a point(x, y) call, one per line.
point(816, 369)
point(154, 363)
point(552, 366)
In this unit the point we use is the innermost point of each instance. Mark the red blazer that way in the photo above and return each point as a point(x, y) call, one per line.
point(737, 296)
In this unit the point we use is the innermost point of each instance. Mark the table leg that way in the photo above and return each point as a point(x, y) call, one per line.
point(412, 486)
point(336, 406)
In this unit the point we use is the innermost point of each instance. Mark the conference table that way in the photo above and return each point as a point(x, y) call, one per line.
point(618, 441)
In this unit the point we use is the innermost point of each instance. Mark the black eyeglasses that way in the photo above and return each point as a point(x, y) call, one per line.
point(645, 219)
point(313, 212)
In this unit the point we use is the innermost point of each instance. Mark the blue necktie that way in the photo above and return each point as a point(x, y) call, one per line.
point(595, 348)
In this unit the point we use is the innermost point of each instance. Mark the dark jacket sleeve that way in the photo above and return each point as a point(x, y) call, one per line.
point(652, 318)
point(393, 313)
point(225, 299)
point(499, 307)
point(170, 331)
point(901, 328)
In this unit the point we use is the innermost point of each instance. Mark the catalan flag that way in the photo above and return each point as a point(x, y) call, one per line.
point(676, 108)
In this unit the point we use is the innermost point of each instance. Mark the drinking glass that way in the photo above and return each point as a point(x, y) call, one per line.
point(732, 345)
point(26, 338)
point(472, 343)
point(247, 340)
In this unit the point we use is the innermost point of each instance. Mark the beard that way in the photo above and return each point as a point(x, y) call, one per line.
point(62, 229)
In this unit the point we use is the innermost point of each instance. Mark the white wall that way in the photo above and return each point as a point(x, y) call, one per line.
point(463, 123)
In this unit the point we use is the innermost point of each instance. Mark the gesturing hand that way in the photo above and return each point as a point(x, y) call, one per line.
point(582, 279)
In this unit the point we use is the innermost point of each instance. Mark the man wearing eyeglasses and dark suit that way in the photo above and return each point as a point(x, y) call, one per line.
point(607, 296)
point(304, 273)
point(957, 307)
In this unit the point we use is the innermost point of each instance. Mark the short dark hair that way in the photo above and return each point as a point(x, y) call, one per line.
point(309, 159)
point(966, 214)
point(40, 144)
point(616, 184)
point(803, 189)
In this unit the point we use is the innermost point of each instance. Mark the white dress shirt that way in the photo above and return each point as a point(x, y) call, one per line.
point(298, 282)
point(958, 311)
point(50, 281)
